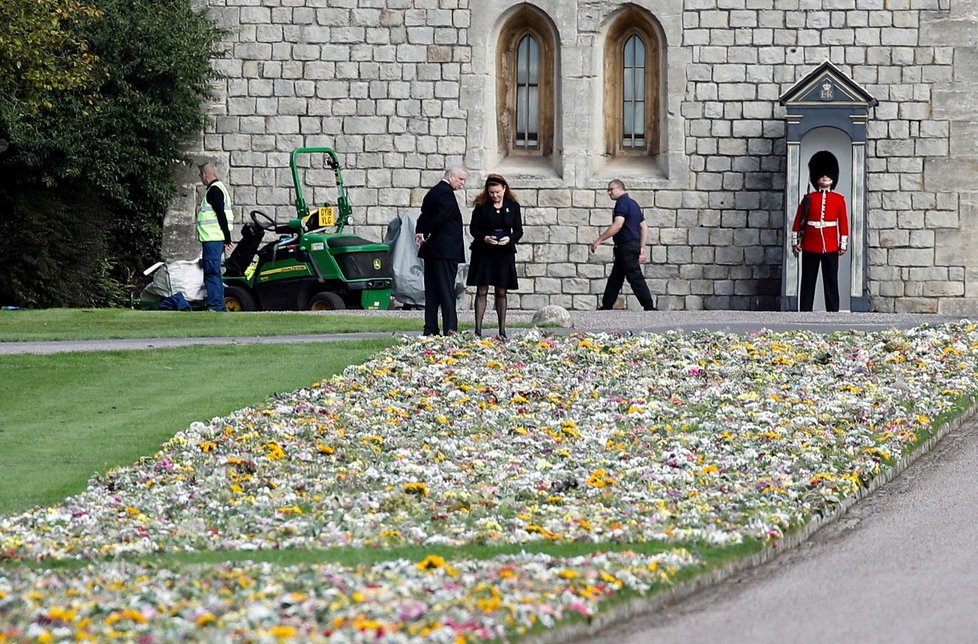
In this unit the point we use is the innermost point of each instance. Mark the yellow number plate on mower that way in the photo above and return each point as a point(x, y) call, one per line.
point(327, 216)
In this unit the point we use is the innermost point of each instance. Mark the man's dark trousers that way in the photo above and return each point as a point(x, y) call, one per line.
point(439, 292)
point(627, 266)
point(212, 253)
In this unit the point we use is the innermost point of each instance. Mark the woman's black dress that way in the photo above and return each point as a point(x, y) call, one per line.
point(494, 265)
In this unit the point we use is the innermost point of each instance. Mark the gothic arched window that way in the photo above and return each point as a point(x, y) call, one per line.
point(525, 84)
point(632, 86)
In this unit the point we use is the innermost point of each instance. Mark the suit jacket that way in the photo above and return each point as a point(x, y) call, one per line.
point(827, 226)
point(441, 224)
point(485, 221)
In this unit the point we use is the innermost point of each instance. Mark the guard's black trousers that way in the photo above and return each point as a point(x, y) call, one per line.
point(810, 263)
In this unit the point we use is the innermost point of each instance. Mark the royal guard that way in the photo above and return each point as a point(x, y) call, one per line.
point(821, 234)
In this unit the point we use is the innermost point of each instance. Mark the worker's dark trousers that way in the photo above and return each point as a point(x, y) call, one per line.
point(213, 251)
point(627, 266)
point(439, 292)
point(810, 263)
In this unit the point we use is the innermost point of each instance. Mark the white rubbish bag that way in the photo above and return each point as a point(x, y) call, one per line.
point(181, 276)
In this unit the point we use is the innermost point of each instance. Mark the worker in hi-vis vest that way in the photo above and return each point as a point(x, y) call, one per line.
point(214, 221)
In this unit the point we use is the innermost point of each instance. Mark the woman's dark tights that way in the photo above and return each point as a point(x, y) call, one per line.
point(481, 295)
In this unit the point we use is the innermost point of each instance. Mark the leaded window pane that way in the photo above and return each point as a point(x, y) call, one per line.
point(633, 93)
point(527, 92)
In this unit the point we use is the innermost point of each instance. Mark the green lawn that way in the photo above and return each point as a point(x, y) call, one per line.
point(64, 417)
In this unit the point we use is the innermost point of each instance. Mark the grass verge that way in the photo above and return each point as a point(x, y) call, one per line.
point(64, 417)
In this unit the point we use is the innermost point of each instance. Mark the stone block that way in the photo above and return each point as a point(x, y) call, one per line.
point(689, 271)
point(936, 28)
point(703, 254)
point(949, 174)
point(733, 219)
point(954, 104)
point(890, 238)
point(679, 255)
point(554, 198)
point(447, 37)
point(894, 37)
point(576, 285)
point(963, 138)
point(728, 255)
point(562, 235)
point(916, 305)
point(547, 285)
point(928, 274)
point(952, 248)
point(530, 302)
point(550, 253)
point(966, 307)
point(565, 301)
point(292, 106)
point(563, 270)
point(582, 198)
point(915, 110)
point(890, 288)
point(911, 256)
point(922, 238)
point(701, 287)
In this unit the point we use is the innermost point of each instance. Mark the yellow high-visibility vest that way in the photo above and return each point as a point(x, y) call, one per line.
point(208, 228)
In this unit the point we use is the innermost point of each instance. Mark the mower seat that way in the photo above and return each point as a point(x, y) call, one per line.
point(244, 252)
point(285, 248)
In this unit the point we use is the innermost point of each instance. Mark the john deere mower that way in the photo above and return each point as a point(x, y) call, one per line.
point(311, 264)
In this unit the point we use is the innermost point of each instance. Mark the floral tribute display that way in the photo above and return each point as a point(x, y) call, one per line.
point(686, 440)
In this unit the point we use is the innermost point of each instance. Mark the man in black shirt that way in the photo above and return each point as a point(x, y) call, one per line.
point(630, 232)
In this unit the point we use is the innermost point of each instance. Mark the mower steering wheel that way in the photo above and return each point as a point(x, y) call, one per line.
point(263, 221)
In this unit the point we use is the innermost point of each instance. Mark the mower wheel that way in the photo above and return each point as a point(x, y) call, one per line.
point(238, 299)
point(326, 301)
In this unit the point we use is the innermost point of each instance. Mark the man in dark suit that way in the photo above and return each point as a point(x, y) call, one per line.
point(438, 235)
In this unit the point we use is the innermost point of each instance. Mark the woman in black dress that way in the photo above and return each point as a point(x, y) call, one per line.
point(496, 227)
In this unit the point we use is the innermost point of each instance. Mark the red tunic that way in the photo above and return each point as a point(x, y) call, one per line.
point(828, 225)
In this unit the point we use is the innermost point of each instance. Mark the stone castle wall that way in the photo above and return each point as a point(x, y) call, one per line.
point(402, 88)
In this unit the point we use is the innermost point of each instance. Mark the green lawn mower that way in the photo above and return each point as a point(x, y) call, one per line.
point(312, 264)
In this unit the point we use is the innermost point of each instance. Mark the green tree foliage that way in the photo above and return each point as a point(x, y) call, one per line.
point(40, 53)
point(72, 235)
point(107, 147)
